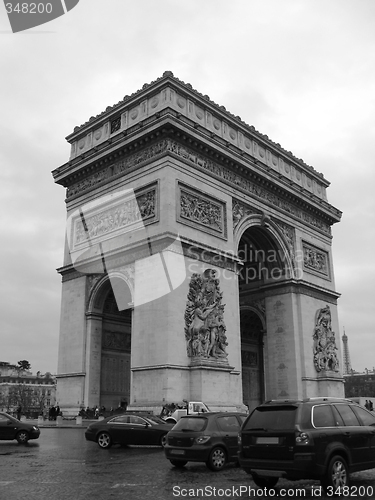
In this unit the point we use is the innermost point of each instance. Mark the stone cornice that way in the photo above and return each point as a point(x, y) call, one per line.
point(168, 94)
point(150, 92)
point(231, 167)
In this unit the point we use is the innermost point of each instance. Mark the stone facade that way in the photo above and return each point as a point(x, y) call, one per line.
point(215, 243)
point(36, 394)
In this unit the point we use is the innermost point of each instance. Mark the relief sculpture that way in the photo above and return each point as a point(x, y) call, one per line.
point(204, 322)
point(200, 210)
point(325, 356)
point(129, 212)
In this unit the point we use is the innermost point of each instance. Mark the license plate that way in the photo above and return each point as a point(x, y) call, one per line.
point(177, 452)
point(267, 440)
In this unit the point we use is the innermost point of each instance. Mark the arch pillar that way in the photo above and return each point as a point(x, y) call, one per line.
point(93, 359)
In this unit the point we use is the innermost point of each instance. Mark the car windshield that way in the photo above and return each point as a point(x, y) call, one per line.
point(275, 418)
point(191, 424)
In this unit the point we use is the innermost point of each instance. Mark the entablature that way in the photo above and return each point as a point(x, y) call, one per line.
point(170, 136)
point(169, 93)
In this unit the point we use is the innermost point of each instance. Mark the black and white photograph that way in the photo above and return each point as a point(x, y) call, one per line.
point(188, 213)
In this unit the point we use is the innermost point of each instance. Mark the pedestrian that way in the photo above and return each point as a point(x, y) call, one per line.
point(367, 405)
point(96, 412)
point(371, 405)
point(19, 411)
point(52, 413)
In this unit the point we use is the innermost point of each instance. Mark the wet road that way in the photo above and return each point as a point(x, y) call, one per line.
point(63, 465)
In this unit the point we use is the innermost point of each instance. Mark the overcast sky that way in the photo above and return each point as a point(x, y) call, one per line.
point(300, 71)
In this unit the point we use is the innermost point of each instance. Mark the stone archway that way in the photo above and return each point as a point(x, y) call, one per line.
point(115, 379)
point(252, 358)
point(267, 262)
point(109, 334)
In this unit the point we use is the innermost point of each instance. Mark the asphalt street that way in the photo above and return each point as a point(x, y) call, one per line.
point(61, 465)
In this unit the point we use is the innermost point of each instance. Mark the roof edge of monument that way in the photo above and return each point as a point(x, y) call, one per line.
point(188, 86)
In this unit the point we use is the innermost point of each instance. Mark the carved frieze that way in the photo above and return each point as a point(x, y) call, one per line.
point(201, 162)
point(204, 318)
point(116, 168)
point(201, 211)
point(315, 259)
point(325, 349)
point(137, 208)
point(249, 358)
point(116, 341)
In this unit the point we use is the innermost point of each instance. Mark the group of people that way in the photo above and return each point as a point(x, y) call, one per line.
point(54, 412)
point(369, 405)
point(92, 412)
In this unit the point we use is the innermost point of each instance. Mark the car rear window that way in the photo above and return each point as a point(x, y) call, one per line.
point(228, 424)
point(322, 416)
point(272, 418)
point(366, 417)
point(155, 420)
point(191, 424)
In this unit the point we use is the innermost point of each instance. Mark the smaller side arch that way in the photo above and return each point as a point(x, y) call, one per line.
point(122, 287)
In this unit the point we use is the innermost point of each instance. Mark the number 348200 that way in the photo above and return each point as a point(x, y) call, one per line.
point(29, 8)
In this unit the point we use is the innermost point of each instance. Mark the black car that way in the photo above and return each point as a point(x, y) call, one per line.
point(315, 438)
point(12, 428)
point(207, 437)
point(127, 429)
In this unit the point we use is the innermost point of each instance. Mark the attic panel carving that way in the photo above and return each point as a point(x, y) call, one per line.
point(201, 211)
point(315, 260)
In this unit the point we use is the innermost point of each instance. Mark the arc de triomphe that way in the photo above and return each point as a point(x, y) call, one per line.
point(198, 261)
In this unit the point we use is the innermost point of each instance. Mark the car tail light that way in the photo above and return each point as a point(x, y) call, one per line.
point(202, 439)
point(302, 438)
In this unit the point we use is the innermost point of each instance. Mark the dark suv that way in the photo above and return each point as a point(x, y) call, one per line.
point(207, 437)
point(316, 438)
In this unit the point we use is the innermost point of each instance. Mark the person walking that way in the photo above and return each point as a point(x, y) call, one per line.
point(19, 411)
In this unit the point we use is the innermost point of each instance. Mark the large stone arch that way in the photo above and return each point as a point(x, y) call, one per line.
point(268, 266)
point(196, 171)
point(108, 354)
point(281, 241)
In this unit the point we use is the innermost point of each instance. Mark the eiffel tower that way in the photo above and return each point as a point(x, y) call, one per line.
point(346, 355)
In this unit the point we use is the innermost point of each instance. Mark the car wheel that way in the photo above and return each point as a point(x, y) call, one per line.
point(265, 481)
point(337, 474)
point(178, 463)
point(22, 437)
point(104, 440)
point(217, 459)
point(163, 440)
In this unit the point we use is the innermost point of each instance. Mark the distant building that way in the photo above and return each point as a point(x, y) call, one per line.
point(34, 393)
point(360, 384)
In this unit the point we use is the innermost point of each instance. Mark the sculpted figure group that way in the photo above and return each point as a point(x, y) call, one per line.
point(205, 327)
point(325, 357)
